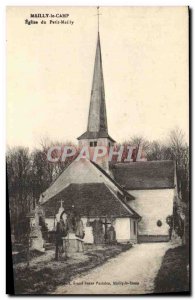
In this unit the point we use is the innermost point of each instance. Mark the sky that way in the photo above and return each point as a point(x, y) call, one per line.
point(50, 69)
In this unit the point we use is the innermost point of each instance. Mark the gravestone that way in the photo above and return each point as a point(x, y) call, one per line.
point(36, 238)
point(98, 232)
point(37, 242)
point(73, 239)
point(111, 235)
point(73, 242)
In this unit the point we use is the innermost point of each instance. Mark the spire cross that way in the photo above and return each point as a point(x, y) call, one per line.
point(98, 15)
point(61, 202)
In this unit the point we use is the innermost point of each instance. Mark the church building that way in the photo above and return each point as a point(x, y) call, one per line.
point(135, 198)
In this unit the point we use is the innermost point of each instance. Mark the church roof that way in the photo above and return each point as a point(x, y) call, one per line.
point(97, 119)
point(145, 175)
point(122, 189)
point(95, 135)
point(82, 171)
point(90, 199)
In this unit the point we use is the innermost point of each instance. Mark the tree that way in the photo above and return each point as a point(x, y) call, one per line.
point(180, 153)
point(18, 174)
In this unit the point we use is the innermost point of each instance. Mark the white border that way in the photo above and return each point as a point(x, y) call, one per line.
point(3, 5)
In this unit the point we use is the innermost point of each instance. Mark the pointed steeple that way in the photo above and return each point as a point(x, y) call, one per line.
point(97, 119)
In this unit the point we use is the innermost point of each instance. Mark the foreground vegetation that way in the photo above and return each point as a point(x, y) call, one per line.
point(173, 276)
point(44, 273)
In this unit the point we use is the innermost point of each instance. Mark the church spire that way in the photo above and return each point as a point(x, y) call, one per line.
point(97, 119)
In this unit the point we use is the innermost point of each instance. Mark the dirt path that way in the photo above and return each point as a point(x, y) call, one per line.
point(132, 272)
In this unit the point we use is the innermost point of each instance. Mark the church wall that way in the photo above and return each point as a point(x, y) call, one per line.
point(122, 228)
point(153, 205)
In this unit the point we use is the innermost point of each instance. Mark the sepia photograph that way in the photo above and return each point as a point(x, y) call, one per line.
point(97, 150)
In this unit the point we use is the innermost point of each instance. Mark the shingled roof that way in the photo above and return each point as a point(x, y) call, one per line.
point(92, 199)
point(122, 189)
point(145, 175)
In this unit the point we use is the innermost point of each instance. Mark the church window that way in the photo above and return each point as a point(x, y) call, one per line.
point(93, 144)
point(159, 223)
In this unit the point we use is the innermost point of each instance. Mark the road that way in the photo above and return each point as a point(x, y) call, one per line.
point(131, 272)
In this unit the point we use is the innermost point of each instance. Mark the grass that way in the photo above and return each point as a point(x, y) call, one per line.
point(173, 276)
point(45, 274)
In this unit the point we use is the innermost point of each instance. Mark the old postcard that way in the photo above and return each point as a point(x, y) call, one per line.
point(98, 150)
